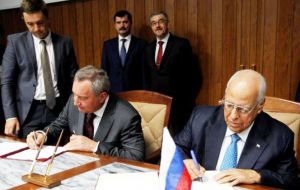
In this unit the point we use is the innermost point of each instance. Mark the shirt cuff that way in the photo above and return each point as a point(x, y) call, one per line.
point(11, 118)
point(96, 148)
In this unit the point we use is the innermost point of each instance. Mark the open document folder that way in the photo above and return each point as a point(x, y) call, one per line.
point(8, 148)
point(21, 151)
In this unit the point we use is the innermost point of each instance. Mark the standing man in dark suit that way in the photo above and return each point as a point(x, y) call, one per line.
point(170, 69)
point(116, 128)
point(238, 138)
point(122, 57)
point(38, 70)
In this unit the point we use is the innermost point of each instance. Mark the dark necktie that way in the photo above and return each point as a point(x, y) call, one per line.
point(49, 89)
point(88, 129)
point(159, 53)
point(123, 52)
point(230, 157)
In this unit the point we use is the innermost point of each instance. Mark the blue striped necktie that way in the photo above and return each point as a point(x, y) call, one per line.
point(230, 157)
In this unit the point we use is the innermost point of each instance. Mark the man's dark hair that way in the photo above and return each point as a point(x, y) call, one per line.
point(123, 13)
point(33, 6)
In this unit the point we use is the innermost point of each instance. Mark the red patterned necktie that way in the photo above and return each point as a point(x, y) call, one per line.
point(159, 53)
point(88, 129)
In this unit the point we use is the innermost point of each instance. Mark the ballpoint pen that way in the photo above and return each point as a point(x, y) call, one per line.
point(197, 165)
point(35, 140)
point(53, 155)
point(38, 153)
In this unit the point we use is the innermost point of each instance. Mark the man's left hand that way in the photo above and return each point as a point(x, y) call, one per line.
point(237, 176)
point(79, 142)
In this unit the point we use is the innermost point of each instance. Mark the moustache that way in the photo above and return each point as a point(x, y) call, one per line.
point(122, 28)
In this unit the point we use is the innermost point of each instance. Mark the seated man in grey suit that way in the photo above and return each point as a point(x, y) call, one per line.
point(117, 125)
point(238, 138)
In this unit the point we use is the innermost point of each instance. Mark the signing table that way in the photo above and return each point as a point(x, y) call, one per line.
point(75, 170)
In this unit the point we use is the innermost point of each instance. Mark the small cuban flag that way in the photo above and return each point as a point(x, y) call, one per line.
point(173, 174)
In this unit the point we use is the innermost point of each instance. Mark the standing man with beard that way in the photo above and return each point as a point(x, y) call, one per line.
point(38, 70)
point(171, 69)
point(122, 57)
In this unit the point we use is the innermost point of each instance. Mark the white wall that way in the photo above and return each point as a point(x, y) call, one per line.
point(10, 4)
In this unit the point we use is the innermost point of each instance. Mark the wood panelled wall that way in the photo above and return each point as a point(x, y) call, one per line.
point(226, 35)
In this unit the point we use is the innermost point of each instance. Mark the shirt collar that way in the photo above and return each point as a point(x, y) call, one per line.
point(128, 38)
point(100, 111)
point(47, 38)
point(165, 39)
point(243, 135)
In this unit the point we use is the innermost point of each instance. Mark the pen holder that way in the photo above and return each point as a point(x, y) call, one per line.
point(41, 180)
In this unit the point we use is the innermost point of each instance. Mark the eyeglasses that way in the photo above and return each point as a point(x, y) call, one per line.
point(159, 22)
point(240, 109)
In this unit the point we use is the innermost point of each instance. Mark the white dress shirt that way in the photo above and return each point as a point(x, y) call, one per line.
point(40, 93)
point(127, 42)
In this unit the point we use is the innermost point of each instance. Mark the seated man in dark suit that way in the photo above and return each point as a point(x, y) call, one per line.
point(117, 125)
point(238, 138)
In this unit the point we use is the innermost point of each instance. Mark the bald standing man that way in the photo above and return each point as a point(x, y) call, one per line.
point(261, 148)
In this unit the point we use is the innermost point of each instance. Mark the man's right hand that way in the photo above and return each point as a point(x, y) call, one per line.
point(34, 139)
point(193, 169)
point(12, 127)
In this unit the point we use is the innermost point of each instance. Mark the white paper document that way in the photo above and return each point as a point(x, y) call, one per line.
point(7, 148)
point(30, 154)
point(209, 183)
point(128, 181)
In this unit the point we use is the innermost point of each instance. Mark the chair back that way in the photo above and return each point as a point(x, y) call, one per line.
point(154, 109)
point(288, 112)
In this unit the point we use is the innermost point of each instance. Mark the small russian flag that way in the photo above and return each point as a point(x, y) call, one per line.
point(173, 174)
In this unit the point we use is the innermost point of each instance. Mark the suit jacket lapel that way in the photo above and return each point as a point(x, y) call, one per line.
point(31, 52)
point(152, 55)
point(254, 146)
point(80, 123)
point(130, 50)
point(57, 52)
point(168, 50)
point(115, 51)
point(107, 120)
point(214, 138)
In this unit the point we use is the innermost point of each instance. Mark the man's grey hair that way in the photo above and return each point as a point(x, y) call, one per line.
point(98, 77)
point(159, 13)
point(255, 75)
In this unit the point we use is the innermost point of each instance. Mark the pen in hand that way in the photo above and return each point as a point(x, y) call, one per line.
point(197, 165)
point(35, 140)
